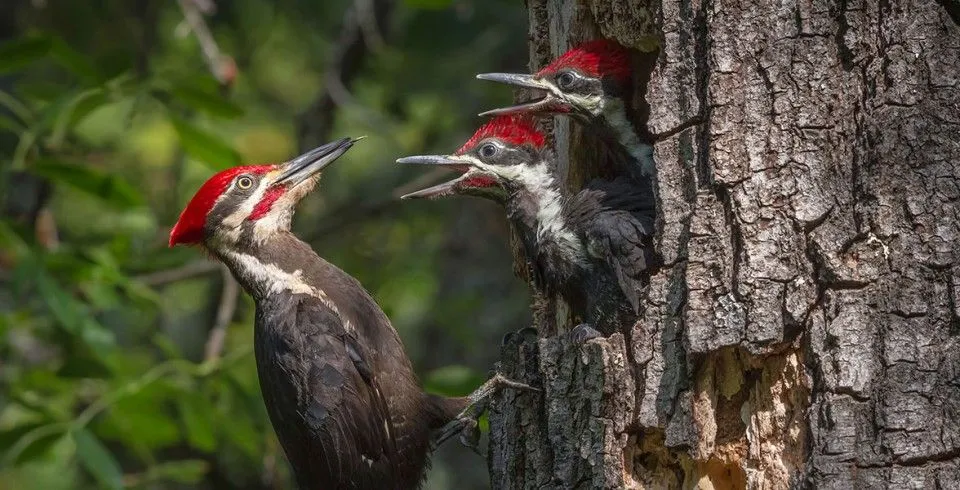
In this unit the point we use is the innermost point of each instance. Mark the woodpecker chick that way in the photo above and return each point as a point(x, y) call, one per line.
point(593, 248)
point(592, 83)
point(339, 389)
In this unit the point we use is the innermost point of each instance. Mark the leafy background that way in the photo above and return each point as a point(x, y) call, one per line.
point(111, 374)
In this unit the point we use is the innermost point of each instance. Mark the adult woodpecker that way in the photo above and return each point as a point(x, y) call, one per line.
point(593, 83)
point(593, 248)
point(339, 389)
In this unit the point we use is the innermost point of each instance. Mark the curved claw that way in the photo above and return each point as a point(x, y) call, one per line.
point(478, 401)
point(470, 435)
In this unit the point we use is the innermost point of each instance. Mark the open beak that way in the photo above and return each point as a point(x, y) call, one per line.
point(549, 103)
point(312, 162)
point(440, 190)
point(452, 162)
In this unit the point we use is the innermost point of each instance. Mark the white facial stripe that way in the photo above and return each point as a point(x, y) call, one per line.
point(593, 103)
point(230, 226)
point(271, 279)
point(538, 180)
point(616, 116)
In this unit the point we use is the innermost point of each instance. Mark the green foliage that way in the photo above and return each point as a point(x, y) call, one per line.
point(104, 381)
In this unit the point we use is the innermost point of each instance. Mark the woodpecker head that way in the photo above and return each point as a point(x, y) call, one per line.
point(588, 82)
point(252, 202)
point(505, 155)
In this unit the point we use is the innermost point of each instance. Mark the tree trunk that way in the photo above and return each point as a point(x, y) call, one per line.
point(804, 331)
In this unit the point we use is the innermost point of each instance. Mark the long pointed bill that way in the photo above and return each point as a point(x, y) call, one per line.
point(444, 189)
point(449, 161)
point(515, 79)
point(545, 105)
point(310, 163)
point(471, 182)
point(549, 103)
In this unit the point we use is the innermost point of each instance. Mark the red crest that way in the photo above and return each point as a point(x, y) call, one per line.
point(512, 129)
point(189, 228)
point(598, 58)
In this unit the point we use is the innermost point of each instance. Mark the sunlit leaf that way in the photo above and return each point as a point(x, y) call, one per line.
point(21, 52)
point(111, 188)
point(95, 457)
point(205, 147)
point(209, 102)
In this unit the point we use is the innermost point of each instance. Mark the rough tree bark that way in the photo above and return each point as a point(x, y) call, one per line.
point(804, 332)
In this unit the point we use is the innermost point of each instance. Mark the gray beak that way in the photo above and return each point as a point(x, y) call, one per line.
point(549, 103)
point(515, 79)
point(444, 160)
point(439, 190)
point(310, 163)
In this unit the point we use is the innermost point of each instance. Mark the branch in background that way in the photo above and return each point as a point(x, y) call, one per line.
point(368, 23)
point(222, 66)
point(359, 36)
point(188, 271)
point(227, 307)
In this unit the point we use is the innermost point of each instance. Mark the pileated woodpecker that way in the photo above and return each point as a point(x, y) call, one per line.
point(340, 391)
point(593, 83)
point(592, 248)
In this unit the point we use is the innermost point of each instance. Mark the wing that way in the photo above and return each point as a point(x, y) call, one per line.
point(341, 435)
point(617, 219)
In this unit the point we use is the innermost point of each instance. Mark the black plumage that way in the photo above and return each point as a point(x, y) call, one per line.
point(341, 394)
point(603, 275)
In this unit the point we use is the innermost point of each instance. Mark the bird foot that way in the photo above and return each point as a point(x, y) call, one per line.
point(584, 332)
point(465, 423)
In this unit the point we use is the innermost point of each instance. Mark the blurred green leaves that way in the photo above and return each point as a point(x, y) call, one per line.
point(104, 381)
point(111, 188)
point(204, 146)
point(19, 53)
point(429, 4)
point(97, 459)
point(453, 380)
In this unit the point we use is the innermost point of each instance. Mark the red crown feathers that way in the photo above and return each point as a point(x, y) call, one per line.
point(511, 129)
point(599, 58)
point(189, 228)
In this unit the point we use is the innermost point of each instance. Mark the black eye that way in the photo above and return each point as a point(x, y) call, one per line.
point(488, 150)
point(244, 182)
point(565, 79)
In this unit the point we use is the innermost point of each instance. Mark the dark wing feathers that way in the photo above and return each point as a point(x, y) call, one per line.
point(617, 219)
point(337, 429)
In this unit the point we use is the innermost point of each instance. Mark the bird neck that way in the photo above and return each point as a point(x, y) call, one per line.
point(282, 264)
point(538, 210)
point(262, 271)
point(617, 126)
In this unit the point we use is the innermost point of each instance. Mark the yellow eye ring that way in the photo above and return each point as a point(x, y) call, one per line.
point(244, 182)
